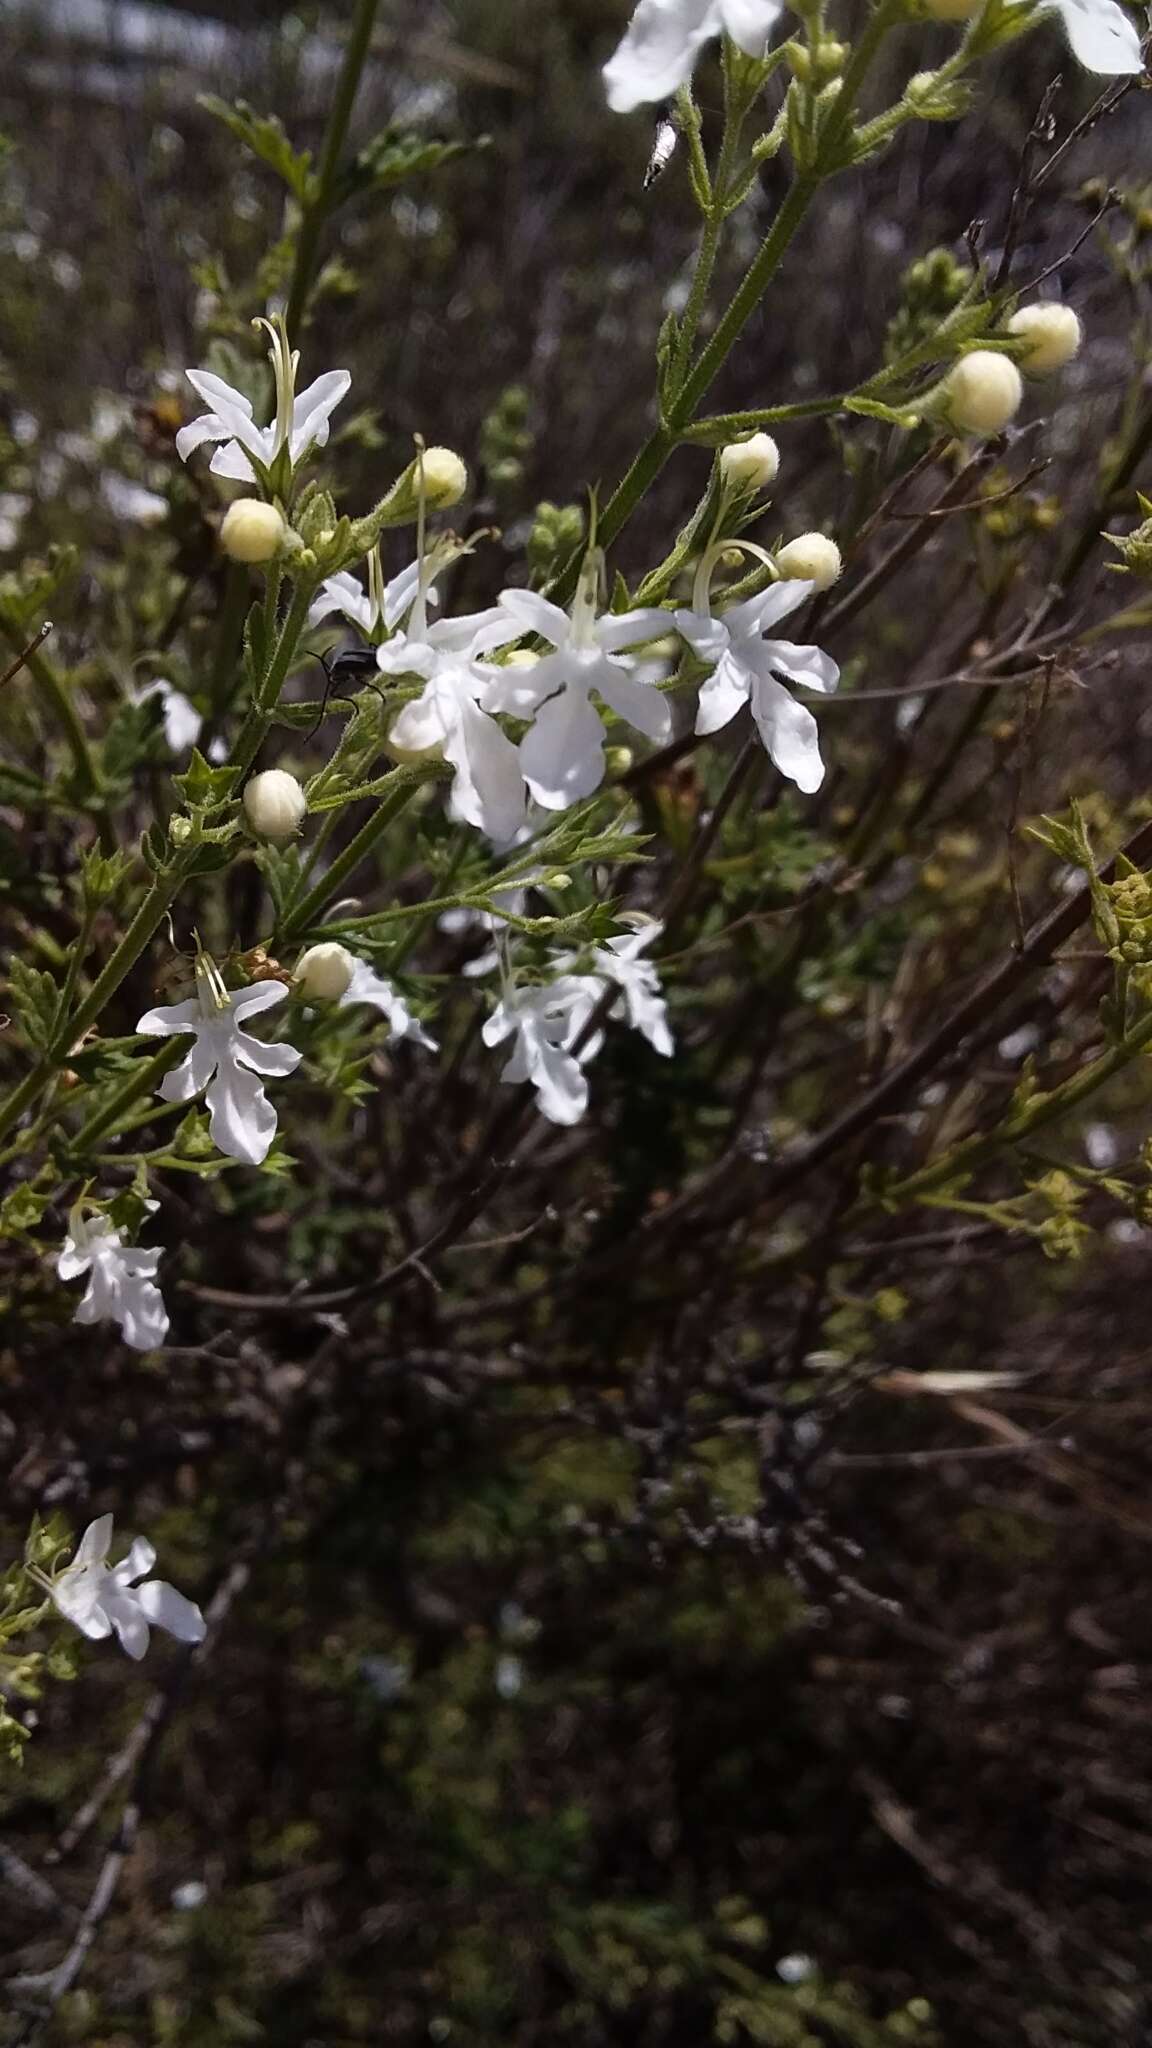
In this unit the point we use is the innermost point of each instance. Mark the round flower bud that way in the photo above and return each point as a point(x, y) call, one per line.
point(324, 973)
point(445, 477)
point(274, 804)
point(952, 10)
point(252, 531)
point(752, 464)
point(1053, 334)
point(811, 557)
point(983, 392)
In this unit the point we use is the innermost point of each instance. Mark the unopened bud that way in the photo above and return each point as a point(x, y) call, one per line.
point(983, 391)
point(812, 558)
point(252, 531)
point(752, 464)
point(274, 804)
point(445, 477)
point(1053, 334)
point(324, 973)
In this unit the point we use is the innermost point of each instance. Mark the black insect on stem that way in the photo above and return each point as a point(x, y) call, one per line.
point(352, 664)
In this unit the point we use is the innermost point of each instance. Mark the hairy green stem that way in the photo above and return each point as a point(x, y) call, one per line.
point(305, 913)
point(339, 115)
point(141, 1081)
point(145, 923)
point(55, 696)
point(1033, 1116)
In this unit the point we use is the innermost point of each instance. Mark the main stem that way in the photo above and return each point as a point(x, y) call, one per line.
point(340, 113)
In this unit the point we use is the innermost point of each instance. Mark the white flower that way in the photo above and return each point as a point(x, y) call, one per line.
point(745, 661)
point(1101, 36)
point(224, 1061)
point(368, 987)
point(249, 452)
point(644, 1006)
point(662, 40)
point(122, 1287)
point(382, 604)
point(98, 1598)
point(562, 755)
point(182, 721)
point(1100, 33)
point(488, 787)
point(545, 1022)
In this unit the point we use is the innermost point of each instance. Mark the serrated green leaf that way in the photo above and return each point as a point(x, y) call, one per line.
point(264, 135)
point(396, 155)
point(34, 996)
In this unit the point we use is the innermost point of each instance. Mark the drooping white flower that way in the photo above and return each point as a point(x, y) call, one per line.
point(620, 962)
point(182, 721)
point(745, 660)
point(98, 1598)
point(122, 1285)
point(249, 452)
point(545, 1023)
point(664, 37)
point(562, 754)
point(366, 986)
point(488, 787)
point(224, 1061)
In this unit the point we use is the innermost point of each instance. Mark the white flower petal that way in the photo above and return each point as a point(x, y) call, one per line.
point(520, 689)
point(1102, 36)
point(617, 630)
point(95, 1543)
point(658, 51)
point(242, 1121)
point(259, 995)
point(562, 754)
point(806, 665)
point(640, 703)
point(751, 22)
point(231, 461)
point(312, 411)
point(488, 787)
point(140, 1559)
point(123, 1611)
point(171, 1017)
point(535, 614)
point(789, 732)
point(723, 694)
point(165, 1608)
point(220, 397)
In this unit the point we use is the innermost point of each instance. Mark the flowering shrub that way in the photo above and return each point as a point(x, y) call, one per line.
point(498, 961)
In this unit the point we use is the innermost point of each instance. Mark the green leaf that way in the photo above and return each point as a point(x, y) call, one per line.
point(204, 787)
point(34, 997)
point(396, 155)
point(22, 1210)
point(872, 409)
point(264, 135)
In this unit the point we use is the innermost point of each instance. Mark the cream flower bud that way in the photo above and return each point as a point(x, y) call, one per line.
point(1053, 334)
point(983, 392)
point(752, 464)
point(252, 531)
point(324, 973)
point(812, 558)
point(274, 804)
point(445, 477)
